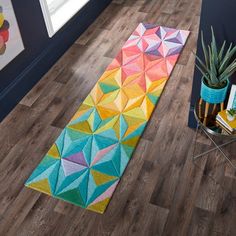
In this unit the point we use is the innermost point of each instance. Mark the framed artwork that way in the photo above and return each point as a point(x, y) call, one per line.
point(57, 13)
point(232, 98)
point(10, 39)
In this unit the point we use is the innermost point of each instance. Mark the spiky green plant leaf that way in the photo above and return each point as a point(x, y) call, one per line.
point(227, 59)
point(214, 48)
point(221, 51)
point(218, 65)
point(206, 56)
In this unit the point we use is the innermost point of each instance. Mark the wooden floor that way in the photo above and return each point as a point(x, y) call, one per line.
point(162, 192)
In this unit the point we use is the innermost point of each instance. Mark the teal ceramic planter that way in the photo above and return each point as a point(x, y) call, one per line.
point(212, 95)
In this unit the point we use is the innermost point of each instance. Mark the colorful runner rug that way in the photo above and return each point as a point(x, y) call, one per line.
point(87, 160)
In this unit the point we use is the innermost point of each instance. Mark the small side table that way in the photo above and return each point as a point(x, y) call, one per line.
point(207, 124)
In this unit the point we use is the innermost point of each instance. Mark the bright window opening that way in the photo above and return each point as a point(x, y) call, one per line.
point(58, 12)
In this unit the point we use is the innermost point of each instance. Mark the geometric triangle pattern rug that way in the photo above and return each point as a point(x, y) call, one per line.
point(87, 160)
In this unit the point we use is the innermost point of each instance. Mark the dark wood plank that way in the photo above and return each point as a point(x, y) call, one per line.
point(201, 223)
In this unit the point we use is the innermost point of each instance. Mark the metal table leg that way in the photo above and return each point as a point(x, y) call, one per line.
point(217, 147)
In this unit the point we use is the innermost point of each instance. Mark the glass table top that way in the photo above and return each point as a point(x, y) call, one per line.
point(209, 122)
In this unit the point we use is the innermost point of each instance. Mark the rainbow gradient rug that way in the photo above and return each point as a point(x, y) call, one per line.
point(87, 160)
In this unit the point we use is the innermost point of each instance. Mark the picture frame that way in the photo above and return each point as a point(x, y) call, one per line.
point(232, 98)
point(11, 44)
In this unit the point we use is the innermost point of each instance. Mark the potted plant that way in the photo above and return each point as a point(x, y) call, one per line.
point(231, 114)
point(216, 69)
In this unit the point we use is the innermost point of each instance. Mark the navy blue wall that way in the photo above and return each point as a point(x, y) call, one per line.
point(221, 15)
point(41, 52)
